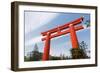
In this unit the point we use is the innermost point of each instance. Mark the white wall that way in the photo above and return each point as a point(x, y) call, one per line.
point(5, 40)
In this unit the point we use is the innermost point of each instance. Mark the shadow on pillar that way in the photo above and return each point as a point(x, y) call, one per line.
point(78, 53)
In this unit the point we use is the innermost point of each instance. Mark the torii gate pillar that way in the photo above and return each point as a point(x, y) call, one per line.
point(46, 48)
point(73, 36)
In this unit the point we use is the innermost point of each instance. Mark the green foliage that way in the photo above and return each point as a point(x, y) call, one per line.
point(87, 23)
point(80, 53)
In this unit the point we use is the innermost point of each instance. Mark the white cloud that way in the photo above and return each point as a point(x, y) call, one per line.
point(33, 41)
point(34, 20)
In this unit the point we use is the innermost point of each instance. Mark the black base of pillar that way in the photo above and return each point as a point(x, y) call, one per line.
point(78, 53)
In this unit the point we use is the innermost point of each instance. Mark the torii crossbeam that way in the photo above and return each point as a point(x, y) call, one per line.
point(58, 31)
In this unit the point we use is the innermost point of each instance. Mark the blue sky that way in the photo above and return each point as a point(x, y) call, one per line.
point(37, 22)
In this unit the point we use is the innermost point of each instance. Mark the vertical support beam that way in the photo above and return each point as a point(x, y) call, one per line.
point(73, 36)
point(46, 48)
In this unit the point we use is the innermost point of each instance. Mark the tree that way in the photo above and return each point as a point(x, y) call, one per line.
point(87, 23)
point(80, 53)
point(35, 48)
point(35, 53)
point(83, 46)
point(62, 56)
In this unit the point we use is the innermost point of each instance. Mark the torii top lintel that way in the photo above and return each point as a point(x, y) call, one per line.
point(75, 22)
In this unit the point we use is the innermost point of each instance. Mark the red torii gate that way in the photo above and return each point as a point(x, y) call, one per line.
point(58, 31)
